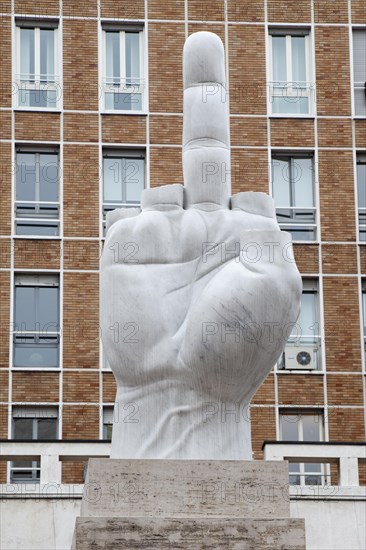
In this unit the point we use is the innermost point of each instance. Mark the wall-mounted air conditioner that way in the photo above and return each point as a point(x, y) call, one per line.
point(302, 357)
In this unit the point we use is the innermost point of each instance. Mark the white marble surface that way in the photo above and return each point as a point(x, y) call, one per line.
point(198, 292)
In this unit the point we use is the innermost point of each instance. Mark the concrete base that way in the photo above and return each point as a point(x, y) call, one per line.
point(180, 534)
point(191, 504)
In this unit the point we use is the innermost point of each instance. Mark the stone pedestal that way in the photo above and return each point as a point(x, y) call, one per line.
point(187, 504)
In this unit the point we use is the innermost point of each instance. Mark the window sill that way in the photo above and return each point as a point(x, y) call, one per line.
point(38, 237)
point(116, 112)
point(305, 242)
point(299, 371)
point(32, 369)
point(39, 109)
point(289, 115)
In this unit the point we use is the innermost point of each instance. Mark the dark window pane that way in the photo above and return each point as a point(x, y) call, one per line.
point(279, 58)
point(311, 427)
point(290, 427)
point(360, 101)
point(300, 233)
point(22, 464)
point(298, 58)
point(47, 428)
point(302, 177)
point(35, 356)
point(26, 177)
point(45, 97)
point(107, 431)
point(132, 58)
point(47, 50)
point(112, 57)
point(25, 475)
point(48, 172)
point(294, 480)
point(48, 309)
point(123, 101)
point(313, 480)
point(33, 228)
point(281, 182)
point(313, 468)
point(25, 308)
point(287, 104)
point(361, 185)
point(134, 179)
point(112, 174)
point(27, 60)
point(23, 428)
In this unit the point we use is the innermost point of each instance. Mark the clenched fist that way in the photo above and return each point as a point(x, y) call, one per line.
point(199, 291)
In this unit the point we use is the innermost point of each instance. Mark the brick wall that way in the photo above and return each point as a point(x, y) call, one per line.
point(81, 320)
point(80, 127)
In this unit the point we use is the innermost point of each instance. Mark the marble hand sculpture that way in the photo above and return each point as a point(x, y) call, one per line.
point(199, 292)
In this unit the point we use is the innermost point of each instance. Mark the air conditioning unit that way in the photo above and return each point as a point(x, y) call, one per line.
point(300, 357)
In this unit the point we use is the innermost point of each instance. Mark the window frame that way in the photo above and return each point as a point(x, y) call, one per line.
point(363, 303)
point(324, 475)
point(54, 84)
point(129, 154)
point(311, 341)
point(122, 30)
point(290, 158)
point(291, 91)
point(38, 220)
point(35, 414)
point(357, 84)
point(361, 210)
point(108, 416)
point(55, 335)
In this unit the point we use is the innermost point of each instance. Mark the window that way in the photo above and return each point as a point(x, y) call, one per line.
point(293, 193)
point(364, 312)
point(32, 423)
point(361, 192)
point(123, 179)
point(37, 81)
point(303, 426)
point(37, 193)
point(290, 87)
point(359, 71)
point(105, 362)
point(123, 84)
point(107, 422)
point(36, 334)
point(302, 351)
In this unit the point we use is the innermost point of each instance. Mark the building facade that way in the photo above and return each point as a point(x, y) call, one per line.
point(91, 113)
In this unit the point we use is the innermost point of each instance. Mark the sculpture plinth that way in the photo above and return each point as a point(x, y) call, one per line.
point(187, 504)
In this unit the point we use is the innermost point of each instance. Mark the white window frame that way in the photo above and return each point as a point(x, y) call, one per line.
point(287, 226)
point(37, 85)
point(119, 154)
point(108, 417)
point(357, 85)
point(324, 474)
point(41, 220)
point(123, 89)
point(291, 89)
point(36, 414)
point(311, 341)
point(105, 364)
point(363, 298)
point(34, 280)
point(361, 156)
